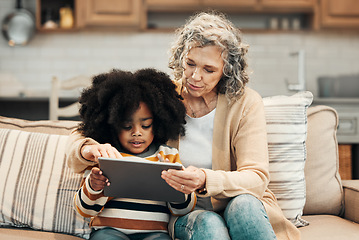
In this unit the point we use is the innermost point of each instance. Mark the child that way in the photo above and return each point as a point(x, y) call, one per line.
point(137, 113)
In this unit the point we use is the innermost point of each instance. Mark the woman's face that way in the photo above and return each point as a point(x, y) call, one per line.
point(203, 68)
point(136, 135)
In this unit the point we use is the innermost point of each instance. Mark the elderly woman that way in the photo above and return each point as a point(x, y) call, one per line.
point(225, 148)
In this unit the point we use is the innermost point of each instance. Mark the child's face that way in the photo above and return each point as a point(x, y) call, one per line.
point(137, 134)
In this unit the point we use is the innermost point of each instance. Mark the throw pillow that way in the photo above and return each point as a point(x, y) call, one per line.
point(37, 187)
point(286, 118)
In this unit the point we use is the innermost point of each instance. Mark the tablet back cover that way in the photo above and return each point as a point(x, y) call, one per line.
point(131, 178)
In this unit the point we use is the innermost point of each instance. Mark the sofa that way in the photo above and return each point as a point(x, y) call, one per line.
point(39, 206)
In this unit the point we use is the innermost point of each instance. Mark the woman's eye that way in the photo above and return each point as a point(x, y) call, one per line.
point(209, 71)
point(190, 64)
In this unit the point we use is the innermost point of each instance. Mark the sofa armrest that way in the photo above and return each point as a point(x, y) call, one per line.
point(351, 199)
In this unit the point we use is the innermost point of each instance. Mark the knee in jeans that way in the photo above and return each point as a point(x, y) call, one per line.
point(242, 204)
point(244, 201)
point(209, 220)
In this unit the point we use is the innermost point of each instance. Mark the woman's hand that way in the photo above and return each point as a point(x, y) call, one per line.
point(93, 152)
point(97, 180)
point(187, 180)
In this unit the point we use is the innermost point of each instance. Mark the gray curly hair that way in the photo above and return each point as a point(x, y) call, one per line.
point(213, 29)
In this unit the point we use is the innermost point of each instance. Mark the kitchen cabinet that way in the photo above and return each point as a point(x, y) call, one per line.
point(234, 5)
point(136, 14)
point(289, 6)
point(345, 161)
point(115, 13)
point(339, 14)
point(56, 16)
point(256, 14)
point(89, 13)
point(173, 5)
point(194, 5)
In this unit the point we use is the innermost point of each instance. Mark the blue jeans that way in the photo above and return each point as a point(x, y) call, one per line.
point(108, 233)
point(244, 218)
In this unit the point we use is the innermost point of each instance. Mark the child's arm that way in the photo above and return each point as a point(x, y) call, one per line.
point(180, 209)
point(89, 199)
point(94, 151)
point(82, 152)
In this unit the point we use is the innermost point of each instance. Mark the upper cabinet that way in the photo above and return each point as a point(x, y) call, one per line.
point(114, 13)
point(339, 14)
point(289, 6)
point(54, 16)
point(233, 5)
point(173, 5)
point(70, 15)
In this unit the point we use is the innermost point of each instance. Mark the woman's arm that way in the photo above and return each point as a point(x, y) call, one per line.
point(240, 152)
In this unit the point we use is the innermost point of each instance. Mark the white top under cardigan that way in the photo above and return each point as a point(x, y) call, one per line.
point(194, 146)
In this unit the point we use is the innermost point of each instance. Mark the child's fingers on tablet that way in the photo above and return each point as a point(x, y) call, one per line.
point(161, 158)
point(90, 152)
point(97, 174)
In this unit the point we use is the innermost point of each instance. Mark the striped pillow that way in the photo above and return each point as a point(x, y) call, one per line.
point(37, 187)
point(286, 118)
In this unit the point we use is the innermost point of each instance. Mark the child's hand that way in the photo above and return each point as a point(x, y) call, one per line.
point(97, 180)
point(161, 158)
point(93, 152)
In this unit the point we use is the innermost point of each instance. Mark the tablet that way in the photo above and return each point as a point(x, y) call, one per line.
point(138, 178)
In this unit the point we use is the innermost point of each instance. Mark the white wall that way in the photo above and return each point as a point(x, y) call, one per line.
point(69, 54)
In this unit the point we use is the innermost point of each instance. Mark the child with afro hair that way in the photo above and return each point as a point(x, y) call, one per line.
point(136, 113)
point(115, 96)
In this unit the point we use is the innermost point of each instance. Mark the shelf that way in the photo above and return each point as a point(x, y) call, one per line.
point(56, 16)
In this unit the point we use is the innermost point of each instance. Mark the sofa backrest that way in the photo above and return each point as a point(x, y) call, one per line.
point(324, 192)
point(42, 126)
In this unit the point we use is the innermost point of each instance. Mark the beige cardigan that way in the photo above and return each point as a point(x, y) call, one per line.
point(239, 158)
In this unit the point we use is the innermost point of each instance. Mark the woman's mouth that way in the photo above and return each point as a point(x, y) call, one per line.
point(193, 87)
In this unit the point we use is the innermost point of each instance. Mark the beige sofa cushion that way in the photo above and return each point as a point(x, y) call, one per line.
point(43, 126)
point(324, 227)
point(324, 188)
point(27, 234)
point(36, 186)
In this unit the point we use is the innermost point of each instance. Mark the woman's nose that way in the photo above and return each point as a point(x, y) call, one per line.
point(196, 75)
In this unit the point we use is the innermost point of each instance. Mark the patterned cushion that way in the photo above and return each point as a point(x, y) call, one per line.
point(36, 186)
point(286, 118)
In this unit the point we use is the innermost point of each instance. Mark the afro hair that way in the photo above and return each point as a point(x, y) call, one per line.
point(113, 97)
